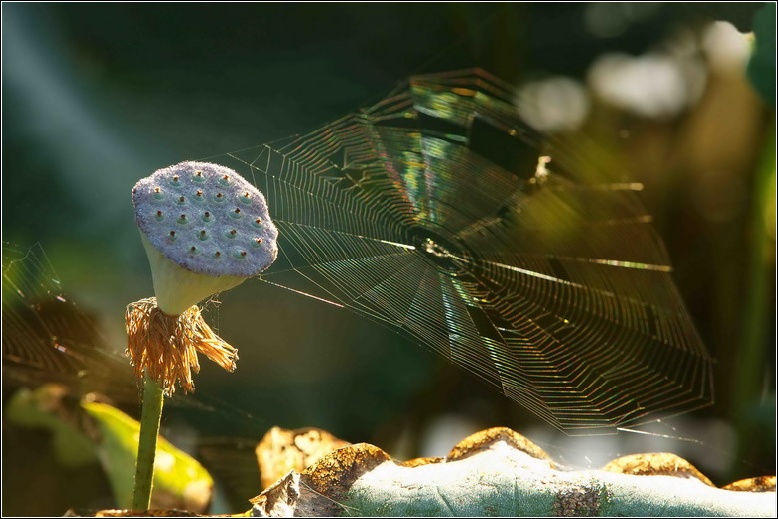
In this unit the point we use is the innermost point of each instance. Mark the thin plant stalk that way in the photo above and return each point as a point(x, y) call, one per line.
point(151, 412)
point(166, 332)
point(751, 369)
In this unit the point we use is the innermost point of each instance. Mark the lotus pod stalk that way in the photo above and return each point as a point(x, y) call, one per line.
point(205, 229)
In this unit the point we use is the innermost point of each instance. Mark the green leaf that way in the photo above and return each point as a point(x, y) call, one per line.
point(504, 481)
point(498, 472)
point(179, 480)
point(43, 408)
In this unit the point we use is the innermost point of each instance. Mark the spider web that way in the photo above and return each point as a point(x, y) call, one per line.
point(440, 214)
point(48, 338)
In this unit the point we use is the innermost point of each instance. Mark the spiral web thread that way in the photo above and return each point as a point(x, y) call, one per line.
point(440, 214)
point(48, 338)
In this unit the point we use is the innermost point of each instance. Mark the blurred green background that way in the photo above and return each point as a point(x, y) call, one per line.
point(97, 96)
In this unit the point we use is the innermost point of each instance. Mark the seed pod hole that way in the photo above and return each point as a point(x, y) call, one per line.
point(211, 208)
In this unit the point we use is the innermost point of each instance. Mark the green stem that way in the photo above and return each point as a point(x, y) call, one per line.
point(751, 405)
point(151, 412)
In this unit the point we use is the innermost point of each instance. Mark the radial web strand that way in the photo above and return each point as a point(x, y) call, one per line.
point(440, 214)
point(47, 338)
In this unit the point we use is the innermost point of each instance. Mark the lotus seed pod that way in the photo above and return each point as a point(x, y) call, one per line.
point(205, 229)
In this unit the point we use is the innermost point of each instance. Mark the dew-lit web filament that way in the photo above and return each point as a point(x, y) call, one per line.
point(614, 263)
point(464, 231)
point(45, 336)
